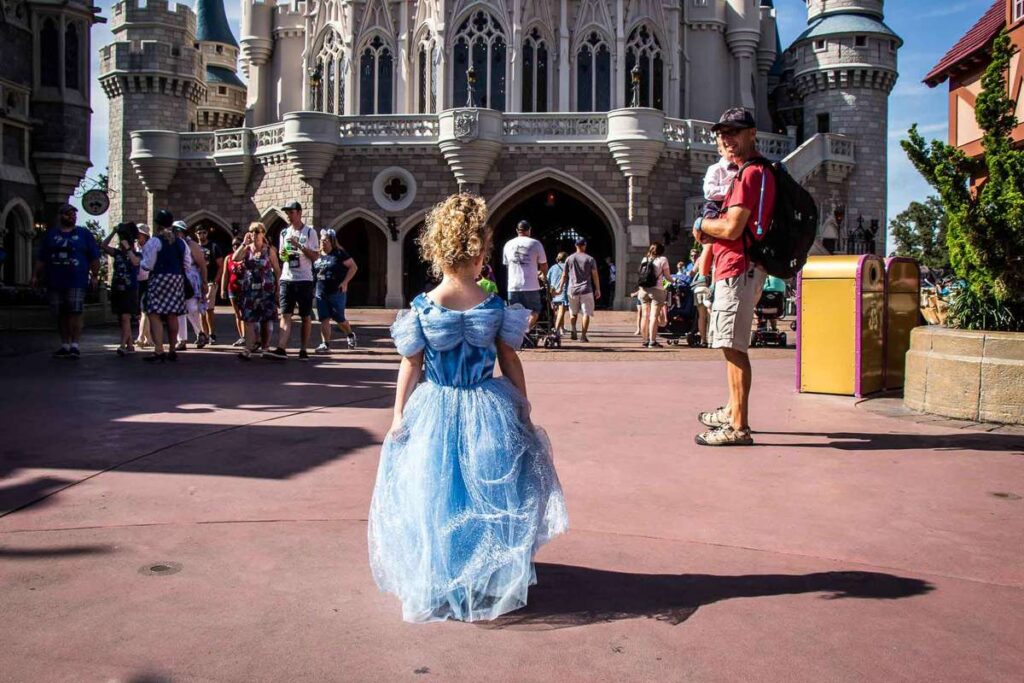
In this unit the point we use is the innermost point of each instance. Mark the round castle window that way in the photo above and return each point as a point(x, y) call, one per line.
point(394, 189)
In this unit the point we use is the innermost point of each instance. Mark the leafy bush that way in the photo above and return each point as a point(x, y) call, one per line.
point(985, 224)
point(969, 311)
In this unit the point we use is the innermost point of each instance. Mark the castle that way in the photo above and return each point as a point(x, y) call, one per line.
point(586, 117)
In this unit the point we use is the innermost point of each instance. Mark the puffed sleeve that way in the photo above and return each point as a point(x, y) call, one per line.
point(407, 333)
point(514, 326)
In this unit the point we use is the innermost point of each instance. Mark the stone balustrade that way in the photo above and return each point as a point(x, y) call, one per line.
point(470, 139)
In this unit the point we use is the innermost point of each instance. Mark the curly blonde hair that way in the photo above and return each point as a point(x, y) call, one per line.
point(456, 232)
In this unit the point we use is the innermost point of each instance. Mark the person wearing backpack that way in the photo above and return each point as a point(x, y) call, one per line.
point(748, 208)
point(653, 272)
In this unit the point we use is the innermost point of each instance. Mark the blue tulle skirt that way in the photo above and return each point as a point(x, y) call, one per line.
point(466, 493)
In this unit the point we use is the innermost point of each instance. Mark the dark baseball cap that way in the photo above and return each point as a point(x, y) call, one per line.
point(164, 218)
point(736, 118)
point(581, 241)
point(292, 206)
point(65, 208)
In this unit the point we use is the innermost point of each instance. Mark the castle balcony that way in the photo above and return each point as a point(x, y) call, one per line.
point(516, 130)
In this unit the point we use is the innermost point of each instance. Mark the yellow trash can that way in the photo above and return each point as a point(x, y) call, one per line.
point(902, 314)
point(841, 325)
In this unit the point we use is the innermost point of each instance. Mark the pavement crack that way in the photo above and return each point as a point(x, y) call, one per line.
point(175, 444)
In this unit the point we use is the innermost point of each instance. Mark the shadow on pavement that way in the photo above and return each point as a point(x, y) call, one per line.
point(40, 487)
point(861, 441)
point(38, 553)
point(567, 596)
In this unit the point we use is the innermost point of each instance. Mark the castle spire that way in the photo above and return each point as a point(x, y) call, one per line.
point(212, 23)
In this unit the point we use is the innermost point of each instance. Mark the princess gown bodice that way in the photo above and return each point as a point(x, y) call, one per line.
point(459, 346)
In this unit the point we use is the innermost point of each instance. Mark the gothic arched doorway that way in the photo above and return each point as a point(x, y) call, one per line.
point(559, 215)
point(16, 266)
point(366, 244)
point(416, 277)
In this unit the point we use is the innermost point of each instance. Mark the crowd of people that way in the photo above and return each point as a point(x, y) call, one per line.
point(168, 280)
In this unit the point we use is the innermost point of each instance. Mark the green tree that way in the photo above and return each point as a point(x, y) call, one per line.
point(985, 225)
point(920, 233)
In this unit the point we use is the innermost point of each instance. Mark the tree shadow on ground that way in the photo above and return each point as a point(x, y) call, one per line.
point(864, 441)
point(567, 596)
point(7, 553)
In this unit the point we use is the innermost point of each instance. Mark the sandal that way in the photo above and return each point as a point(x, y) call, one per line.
point(725, 436)
point(719, 417)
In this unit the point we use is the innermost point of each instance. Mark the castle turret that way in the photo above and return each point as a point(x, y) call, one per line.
point(844, 68)
point(224, 103)
point(154, 78)
point(257, 46)
point(743, 35)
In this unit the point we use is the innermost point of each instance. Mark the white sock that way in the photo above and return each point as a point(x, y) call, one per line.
point(74, 345)
point(65, 347)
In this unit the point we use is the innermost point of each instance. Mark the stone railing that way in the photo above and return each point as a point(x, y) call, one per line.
point(268, 138)
point(385, 129)
point(829, 151)
point(538, 128)
point(691, 134)
point(196, 145)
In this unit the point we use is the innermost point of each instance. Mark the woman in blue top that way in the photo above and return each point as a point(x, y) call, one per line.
point(466, 490)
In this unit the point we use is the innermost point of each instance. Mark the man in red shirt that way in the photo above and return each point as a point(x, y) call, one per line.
point(746, 215)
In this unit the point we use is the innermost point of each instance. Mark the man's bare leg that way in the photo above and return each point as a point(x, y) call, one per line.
point(740, 376)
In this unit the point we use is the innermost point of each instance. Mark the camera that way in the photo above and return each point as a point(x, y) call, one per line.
point(127, 232)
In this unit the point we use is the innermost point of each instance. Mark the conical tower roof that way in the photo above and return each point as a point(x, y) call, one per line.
point(212, 23)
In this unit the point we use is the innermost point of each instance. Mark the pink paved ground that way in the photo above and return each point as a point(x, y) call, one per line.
point(845, 546)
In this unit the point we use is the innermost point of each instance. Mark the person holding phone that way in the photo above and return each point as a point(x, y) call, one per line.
point(257, 286)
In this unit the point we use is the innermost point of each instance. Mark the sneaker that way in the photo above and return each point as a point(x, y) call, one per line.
point(257, 347)
point(655, 345)
point(719, 417)
point(120, 351)
point(239, 342)
point(74, 353)
point(322, 349)
point(181, 346)
point(584, 339)
point(202, 341)
point(725, 436)
point(62, 352)
point(303, 354)
point(645, 343)
point(213, 339)
point(573, 335)
point(351, 339)
point(276, 354)
point(155, 358)
point(129, 348)
point(245, 355)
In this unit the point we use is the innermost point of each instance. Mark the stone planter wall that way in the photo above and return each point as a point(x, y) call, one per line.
point(966, 375)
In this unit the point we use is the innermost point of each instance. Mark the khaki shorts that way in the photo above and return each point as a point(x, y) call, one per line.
point(656, 295)
point(732, 312)
point(581, 303)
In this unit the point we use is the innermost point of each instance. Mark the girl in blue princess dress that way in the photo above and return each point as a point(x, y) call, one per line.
point(466, 490)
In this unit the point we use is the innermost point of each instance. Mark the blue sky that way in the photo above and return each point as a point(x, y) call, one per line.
point(928, 29)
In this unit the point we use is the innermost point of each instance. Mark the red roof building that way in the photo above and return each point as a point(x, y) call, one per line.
point(964, 64)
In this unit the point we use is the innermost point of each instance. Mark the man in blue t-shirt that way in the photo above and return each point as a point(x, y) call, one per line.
point(67, 264)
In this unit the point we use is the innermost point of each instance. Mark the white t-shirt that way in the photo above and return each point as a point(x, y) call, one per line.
point(298, 268)
point(523, 256)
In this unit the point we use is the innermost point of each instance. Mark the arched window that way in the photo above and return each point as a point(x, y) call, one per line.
point(593, 74)
point(49, 54)
point(428, 60)
point(72, 57)
point(535, 72)
point(376, 71)
point(480, 41)
point(329, 96)
point(644, 49)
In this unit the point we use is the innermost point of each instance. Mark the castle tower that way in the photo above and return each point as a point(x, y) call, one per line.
point(224, 103)
point(844, 72)
point(153, 76)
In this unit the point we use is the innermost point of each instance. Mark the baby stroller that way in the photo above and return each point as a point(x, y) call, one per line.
point(769, 309)
point(543, 333)
point(682, 315)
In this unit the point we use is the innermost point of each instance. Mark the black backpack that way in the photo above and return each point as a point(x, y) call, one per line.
point(648, 275)
point(783, 247)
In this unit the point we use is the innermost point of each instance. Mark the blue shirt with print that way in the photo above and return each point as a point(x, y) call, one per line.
point(67, 256)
